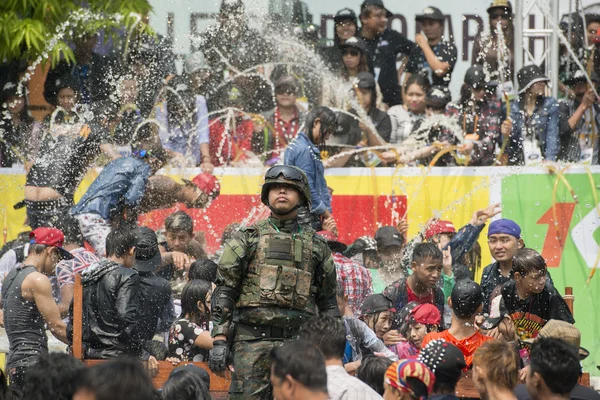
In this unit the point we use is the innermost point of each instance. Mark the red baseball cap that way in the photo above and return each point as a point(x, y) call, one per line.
point(439, 226)
point(50, 237)
point(426, 314)
point(207, 183)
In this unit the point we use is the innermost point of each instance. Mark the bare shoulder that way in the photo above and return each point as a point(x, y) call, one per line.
point(35, 282)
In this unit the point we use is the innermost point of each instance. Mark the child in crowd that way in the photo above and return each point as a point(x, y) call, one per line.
point(423, 319)
point(377, 312)
point(189, 337)
point(529, 301)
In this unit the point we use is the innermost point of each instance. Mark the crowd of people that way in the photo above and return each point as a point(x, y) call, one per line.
point(289, 309)
point(284, 304)
point(242, 98)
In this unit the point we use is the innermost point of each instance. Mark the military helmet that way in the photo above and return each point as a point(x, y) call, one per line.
point(289, 175)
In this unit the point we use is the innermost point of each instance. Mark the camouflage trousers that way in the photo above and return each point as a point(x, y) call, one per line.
point(252, 364)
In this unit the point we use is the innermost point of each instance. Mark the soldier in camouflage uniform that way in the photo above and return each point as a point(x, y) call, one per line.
point(272, 276)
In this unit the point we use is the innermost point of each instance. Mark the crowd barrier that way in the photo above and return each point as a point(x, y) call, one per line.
point(558, 213)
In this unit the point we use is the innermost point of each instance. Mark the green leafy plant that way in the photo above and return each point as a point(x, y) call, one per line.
point(30, 29)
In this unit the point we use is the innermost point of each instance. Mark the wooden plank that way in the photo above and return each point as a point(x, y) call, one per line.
point(78, 318)
point(219, 382)
point(569, 298)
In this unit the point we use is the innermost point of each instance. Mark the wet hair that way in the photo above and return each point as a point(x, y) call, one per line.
point(119, 242)
point(117, 380)
point(179, 221)
point(185, 385)
point(500, 361)
point(326, 115)
point(193, 292)
point(327, 333)
point(203, 270)
point(366, 11)
point(372, 371)
point(557, 362)
point(418, 387)
point(7, 392)
point(37, 248)
point(528, 260)
point(302, 361)
point(54, 377)
point(420, 80)
point(426, 250)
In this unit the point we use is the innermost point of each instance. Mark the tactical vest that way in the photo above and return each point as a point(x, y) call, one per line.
point(281, 272)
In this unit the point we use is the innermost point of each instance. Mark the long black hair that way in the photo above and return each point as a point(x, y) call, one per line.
point(193, 292)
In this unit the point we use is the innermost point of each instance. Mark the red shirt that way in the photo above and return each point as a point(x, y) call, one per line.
point(467, 346)
point(220, 145)
point(421, 300)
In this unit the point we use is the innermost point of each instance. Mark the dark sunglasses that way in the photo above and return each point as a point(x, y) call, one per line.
point(496, 16)
point(286, 91)
point(352, 52)
point(288, 173)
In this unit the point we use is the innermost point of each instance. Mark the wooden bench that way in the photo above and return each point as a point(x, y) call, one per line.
point(219, 382)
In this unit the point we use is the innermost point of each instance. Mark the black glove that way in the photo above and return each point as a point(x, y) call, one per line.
point(219, 356)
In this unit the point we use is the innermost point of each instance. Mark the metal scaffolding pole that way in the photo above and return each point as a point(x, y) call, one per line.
point(518, 26)
point(553, 57)
point(525, 55)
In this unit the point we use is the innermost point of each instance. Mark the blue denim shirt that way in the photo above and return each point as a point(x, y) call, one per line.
point(122, 181)
point(302, 153)
point(546, 124)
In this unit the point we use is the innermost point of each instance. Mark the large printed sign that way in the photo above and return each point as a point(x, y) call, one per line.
point(559, 221)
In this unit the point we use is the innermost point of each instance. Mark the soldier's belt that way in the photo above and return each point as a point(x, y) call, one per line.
point(265, 332)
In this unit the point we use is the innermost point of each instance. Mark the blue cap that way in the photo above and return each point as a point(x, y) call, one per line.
point(505, 226)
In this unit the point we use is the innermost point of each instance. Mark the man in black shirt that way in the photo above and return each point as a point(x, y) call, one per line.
point(383, 45)
point(528, 300)
point(433, 57)
point(155, 292)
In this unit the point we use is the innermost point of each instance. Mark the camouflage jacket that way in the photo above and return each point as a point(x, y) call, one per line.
point(232, 275)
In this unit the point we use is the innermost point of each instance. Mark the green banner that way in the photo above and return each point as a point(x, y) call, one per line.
point(560, 221)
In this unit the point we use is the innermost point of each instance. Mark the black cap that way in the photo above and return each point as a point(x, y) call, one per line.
point(529, 75)
point(475, 77)
point(444, 359)
point(438, 96)
point(366, 80)
point(147, 253)
point(504, 4)
point(346, 14)
point(467, 297)
point(355, 43)
point(580, 77)
point(376, 303)
point(432, 13)
point(497, 313)
point(376, 3)
point(388, 236)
